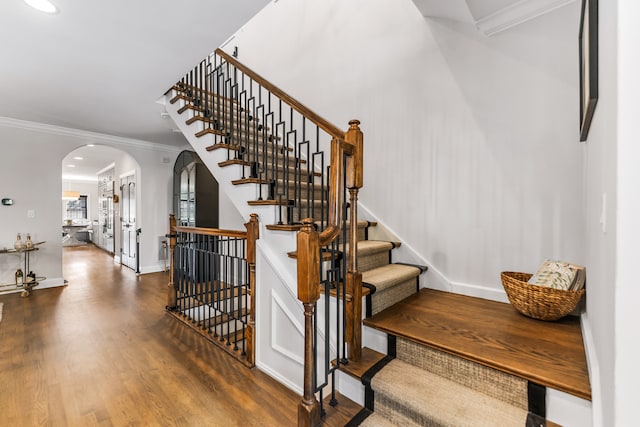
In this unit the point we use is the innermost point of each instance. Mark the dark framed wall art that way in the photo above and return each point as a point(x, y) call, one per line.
point(588, 41)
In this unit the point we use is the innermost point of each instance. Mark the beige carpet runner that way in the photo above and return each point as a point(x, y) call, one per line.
point(423, 386)
point(409, 396)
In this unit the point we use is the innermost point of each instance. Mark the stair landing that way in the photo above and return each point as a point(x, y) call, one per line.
point(493, 334)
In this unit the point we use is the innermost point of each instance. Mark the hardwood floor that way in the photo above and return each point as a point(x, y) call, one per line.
point(102, 351)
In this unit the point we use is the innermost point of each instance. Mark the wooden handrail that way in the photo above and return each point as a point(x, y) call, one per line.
point(332, 130)
point(212, 231)
point(339, 147)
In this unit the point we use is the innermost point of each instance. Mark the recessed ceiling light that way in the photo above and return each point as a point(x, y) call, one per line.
point(77, 158)
point(91, 145)
point(42, 5)
point(71, 166)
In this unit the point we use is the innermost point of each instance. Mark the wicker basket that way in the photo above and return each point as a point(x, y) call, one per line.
point(538, 302)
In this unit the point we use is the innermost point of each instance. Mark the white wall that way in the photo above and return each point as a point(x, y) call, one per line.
point(43, 148)
point(471, 153)
point(228, 216)
point(627, 291)
point(32, 179)
point(601, 196)
point(471, 143)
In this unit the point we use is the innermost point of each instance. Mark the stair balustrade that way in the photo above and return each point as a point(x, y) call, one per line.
point(314, 280)
point(212, 284)
point(281, 146)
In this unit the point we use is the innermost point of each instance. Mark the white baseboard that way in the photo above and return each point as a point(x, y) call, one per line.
point(433, 278)
point(594, 370)
point(275, 375)
point(43, 284)
point(568, 410)
point(51, 283)
point(154, 268)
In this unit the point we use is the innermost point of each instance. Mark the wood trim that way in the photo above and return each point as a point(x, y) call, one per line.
point(308, 293)
point(212, 232)
point(208, 131)
point(220, 145)
point(296, 105)
point(172, 294)
point(493, 334)
point(253, 234)
point(221, 345)
point(284, 227)
point(233, 162)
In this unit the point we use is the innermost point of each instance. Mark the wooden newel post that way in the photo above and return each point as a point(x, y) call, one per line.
point(172, 294)
point(308, 249)
point(253, 234)
point(354, 172)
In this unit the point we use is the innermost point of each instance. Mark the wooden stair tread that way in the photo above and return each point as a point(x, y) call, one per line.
point(365, 291)
point(221, 145)
point(493, 334)
point(296, 227)
point(291, 161)
point(283, 202)
point(367, 361)
point(367, 247)
point(183, 88)
point(389, 275)
point(340, 414)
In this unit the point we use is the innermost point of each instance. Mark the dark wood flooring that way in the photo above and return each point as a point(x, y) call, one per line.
point(102, 351)
point(493, 334)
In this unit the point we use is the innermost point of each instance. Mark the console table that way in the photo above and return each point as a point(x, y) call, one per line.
point(26, 285)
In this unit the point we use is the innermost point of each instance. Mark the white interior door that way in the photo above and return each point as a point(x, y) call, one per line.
point(128, 220)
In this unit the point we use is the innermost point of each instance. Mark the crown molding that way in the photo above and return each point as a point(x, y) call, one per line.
point(516, 14)
point(87, 136)
point(455, 10)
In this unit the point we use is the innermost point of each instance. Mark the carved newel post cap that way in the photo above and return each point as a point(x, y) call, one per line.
point(307, 222)
point(354, 123)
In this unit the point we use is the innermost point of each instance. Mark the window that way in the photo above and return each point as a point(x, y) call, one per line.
point(77, 209)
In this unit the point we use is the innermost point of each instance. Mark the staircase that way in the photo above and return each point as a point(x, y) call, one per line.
point(270, 154)
point(454, 360)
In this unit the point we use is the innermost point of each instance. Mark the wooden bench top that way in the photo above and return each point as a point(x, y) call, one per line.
point(493, 334)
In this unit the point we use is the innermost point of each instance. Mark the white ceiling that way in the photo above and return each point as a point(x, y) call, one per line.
point(83, 163)
point(101, 65)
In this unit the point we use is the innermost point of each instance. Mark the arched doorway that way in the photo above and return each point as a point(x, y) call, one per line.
point(195, 192)
point(94, 212)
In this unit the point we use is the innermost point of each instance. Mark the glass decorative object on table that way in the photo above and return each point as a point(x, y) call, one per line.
point(28, 244)
point(19, 244)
